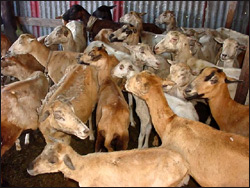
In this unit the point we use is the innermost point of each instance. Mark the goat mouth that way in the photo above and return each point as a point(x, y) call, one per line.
point(83, 63)
point(194, 96)
point(115, 40)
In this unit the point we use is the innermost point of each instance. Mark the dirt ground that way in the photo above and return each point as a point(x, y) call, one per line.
point(14, 163)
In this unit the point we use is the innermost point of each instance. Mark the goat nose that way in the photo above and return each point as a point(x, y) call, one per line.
point(224, 55)
point(111, 36)
point(86, 131)
point(31, 166)
point(188, 89)
point(155, 48)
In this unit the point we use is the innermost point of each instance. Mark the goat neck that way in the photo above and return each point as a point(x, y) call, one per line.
point(41, 53)
point(161, 110)
point(171, 25)
point(104, 72)
point(183, 54)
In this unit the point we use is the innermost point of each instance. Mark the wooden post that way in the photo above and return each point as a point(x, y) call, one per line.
point(8, 18)
point(242, 88)
point(230, 14)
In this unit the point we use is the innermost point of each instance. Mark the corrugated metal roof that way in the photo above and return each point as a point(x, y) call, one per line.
point(188, 13)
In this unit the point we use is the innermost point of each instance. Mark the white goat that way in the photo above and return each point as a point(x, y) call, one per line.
point(183, 108)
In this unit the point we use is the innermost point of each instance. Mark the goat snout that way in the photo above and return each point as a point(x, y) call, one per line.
point(155, 48)
point(111, 37)
point(223, 56)
point(30, 166)
point(188, 89)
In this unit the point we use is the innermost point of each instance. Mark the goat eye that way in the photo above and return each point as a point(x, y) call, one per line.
point(53, 160)
point(121, 67)
point(130, 67)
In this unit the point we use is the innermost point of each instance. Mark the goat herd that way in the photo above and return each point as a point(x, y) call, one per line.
point(165, 74)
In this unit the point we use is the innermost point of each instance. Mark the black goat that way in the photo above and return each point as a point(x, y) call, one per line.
point(103, 12)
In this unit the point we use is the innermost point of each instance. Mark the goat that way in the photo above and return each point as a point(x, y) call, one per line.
point(93, 26)
point(103, 12)
point(212, 84)
point(112, 114)
point(126, 34)
point(78, 12)
point(19, 101)
point(137, 167)
point(111, 51)
point(20, 66)
point(203, 147)
point(230, 50)
point(71, 37)
point(177, 43)
point(135, 18)
point(168, 18)
point(55, 62)
point(184, 109)
point(79, 90)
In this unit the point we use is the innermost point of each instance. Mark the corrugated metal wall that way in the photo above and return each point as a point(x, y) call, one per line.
point(188, 13)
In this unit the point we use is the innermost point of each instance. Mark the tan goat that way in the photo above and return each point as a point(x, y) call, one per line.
point(229, 52)
point(178, 45)
point(20, 66)
point(112, 115)
point(79, 88)
point(56, 62)
point(231, 116)
point(215, 158)
point(154, 167)
point(19, 101)
point(126, 34)
point(70, 36)
point(168, 18)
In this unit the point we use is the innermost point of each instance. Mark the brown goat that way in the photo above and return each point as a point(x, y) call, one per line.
point(19, 102)
point(212, 83)
point(112, 115)
point(215, 158)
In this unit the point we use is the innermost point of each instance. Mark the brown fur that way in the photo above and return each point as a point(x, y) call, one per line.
point(80, 87)
point(56, 65)
point(215, 158)
point(153, 167)
point(19, 102)
point(20, 66)
point(231, 116)
point(5, 44)
point(112, 114)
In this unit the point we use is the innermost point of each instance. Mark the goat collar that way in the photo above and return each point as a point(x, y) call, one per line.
point(48, 60)
point(92, 20)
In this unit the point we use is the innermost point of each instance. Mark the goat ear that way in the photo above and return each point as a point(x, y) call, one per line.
point(111, 7)
point(44, 116)
point(167, 82)
point(142, 14)
point(59, 17)
point(214, 79)
point(219, 40)
point(31, 40)
point(242, 47)
point(171, 62)
point(67, 161)
point(66, 32)
point(230, 80)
